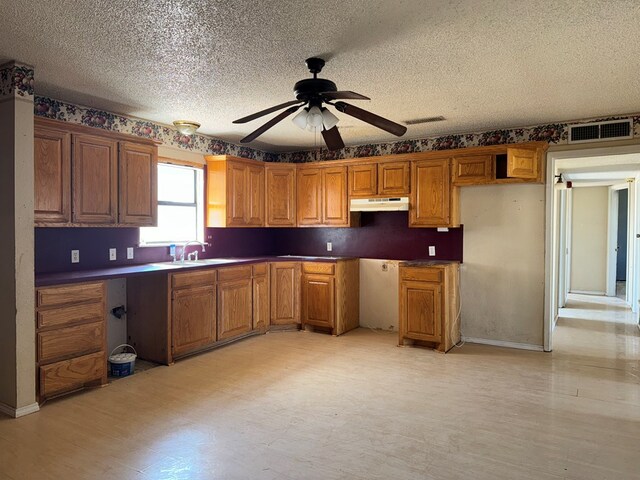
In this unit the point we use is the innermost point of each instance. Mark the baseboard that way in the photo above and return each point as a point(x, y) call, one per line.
point(500, 343)
point(18, 412)
point(589, 292)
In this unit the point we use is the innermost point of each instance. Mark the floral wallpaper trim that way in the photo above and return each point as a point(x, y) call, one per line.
point(16, 80)
point(554, 133)
point(91, 117)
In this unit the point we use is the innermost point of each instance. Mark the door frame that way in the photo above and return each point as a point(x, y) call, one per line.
point(552, 234)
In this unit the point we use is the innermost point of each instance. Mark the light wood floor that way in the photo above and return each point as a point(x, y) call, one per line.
point(309, 406)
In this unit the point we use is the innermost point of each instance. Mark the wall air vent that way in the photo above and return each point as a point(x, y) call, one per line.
point(417, 121)
point(597, 131)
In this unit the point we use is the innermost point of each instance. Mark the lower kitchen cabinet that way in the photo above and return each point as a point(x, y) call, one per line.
point(429, 305)
point(285, 293)
point(235, 309)
point(70, 338)
point(261, 297)
point(330, 295)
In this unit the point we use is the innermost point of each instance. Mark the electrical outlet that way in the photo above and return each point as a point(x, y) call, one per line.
point(112, 254)
point(75, 256)
point(432, 251)
point(329, 246)
point(129, 253)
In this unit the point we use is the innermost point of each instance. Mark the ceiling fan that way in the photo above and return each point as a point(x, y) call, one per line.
point(312, 93)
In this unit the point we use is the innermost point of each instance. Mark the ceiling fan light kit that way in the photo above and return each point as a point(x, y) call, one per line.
point(311, 93)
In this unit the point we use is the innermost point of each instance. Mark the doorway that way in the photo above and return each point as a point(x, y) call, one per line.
point(622, 197)
point(617, 169)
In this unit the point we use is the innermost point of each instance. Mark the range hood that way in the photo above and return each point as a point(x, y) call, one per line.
point(392, 204)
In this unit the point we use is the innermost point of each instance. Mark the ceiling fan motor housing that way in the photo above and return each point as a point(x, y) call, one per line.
point(311, 88)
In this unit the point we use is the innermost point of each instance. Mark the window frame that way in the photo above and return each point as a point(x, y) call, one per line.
point(198, 193)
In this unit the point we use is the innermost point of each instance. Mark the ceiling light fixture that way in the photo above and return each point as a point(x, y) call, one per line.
point(315, 118)
point(186, 127)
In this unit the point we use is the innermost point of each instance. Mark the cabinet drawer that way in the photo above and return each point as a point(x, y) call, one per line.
point(321, 268)
point(69, 294)
point(421, 274)
point(234, 273)
point(260, 269)
point(71, 341)
point(56, 317)
point(71, 374)
point(202, 277)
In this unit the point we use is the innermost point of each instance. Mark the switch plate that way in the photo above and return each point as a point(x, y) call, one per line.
point(75, 256)
point(443, 229)
point(129, 253)
point(432, 251)
point(112, 254)
point(329, 246)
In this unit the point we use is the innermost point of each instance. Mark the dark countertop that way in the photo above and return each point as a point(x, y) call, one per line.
point(57, 278)
point(426, 263)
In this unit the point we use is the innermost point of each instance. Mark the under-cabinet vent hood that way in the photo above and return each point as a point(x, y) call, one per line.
point(379, 204)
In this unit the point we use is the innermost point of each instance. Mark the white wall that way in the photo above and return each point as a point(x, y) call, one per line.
point(589, 220)
point(502, 277)
point(116, 327)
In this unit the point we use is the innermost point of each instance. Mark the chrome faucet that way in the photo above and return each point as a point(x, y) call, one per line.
point(192, 242)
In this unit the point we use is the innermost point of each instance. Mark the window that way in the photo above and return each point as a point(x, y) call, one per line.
point(180, 207)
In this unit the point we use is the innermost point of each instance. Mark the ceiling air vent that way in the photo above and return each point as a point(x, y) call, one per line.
point(417, 121)
point(593, 132)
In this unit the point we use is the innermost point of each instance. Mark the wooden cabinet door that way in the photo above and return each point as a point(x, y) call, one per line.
point(95, 179)
point(430, 198)
point(236, 194)
point(235, 312)
point(394, 178)
point(318, 300)
point(261, 302)
point(309, 193)
point(363, 180)
point(281, 196)
point(472, 170)
point(193, 318)
point(52, 175)
point(285, 293)
point(421, 311)
point(255, 196)
point(522, 163)
point(335, 204)
point(138, 184)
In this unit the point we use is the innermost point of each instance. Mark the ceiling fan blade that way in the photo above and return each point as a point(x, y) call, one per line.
point(371, 118)
point(344, 95)
point(332, 138)
point(261, 113)
point(259, 131)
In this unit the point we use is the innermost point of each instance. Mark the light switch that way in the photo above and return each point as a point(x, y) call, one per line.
point(329, 246)
point(432, 251)
point(112, 254)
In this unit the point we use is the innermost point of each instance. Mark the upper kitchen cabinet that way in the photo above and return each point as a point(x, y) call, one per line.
point(322, 196)
point(95, 180)
point(52, 172)
point(379, 179)
point(88, 177)
point(138, 183)
point(434, 202)
point(521, 163)
point(280, 201)
point(394, 178)
point(235, 192)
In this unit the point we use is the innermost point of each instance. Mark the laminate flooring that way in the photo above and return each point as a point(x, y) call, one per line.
point(302, 405)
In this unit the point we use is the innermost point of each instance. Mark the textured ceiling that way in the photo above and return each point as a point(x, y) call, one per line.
point(482, 64)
